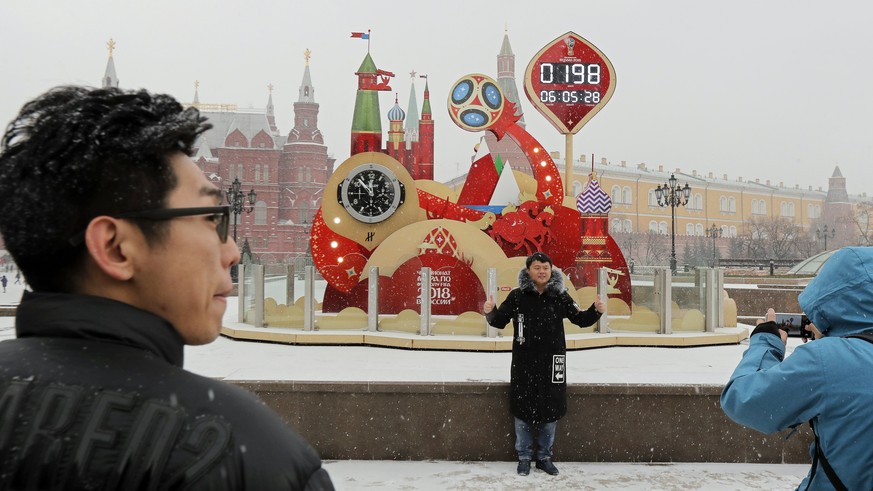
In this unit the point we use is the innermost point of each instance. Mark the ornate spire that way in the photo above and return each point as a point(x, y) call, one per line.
point(425, 107)
point(307, 91)
point(271, 115)
point(506, 75)
point(411, 128)
point(109, 77)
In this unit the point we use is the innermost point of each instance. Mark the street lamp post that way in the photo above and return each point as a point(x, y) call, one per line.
point(239, 202)
point(673, 195)
point(713, 232)
point(824, 233)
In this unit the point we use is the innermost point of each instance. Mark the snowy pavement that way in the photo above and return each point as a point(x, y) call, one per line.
point(712, 365)
point(437, 476)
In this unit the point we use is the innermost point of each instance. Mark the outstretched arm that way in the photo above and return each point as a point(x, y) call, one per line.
point(582, 318)
point(500, 316)
point(768, 394)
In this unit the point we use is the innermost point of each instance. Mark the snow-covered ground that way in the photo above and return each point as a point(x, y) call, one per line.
point(239, 360)
point(438, 476)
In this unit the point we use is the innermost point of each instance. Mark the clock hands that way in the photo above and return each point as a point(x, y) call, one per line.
point(364, 185)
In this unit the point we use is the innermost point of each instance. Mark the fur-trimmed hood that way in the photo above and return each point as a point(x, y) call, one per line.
point(554, 286)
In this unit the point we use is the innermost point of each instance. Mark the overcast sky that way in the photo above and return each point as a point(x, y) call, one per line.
point(779, 90)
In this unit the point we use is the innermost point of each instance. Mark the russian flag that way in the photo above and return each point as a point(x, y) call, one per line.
point(362, 35)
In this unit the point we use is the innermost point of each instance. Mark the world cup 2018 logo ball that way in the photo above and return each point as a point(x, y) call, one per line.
point(476, 103)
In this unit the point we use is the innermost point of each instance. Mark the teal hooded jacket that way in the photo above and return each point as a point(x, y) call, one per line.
point(828, 381)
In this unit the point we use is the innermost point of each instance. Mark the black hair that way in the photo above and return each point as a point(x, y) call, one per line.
point(75, 153)
point(539, 257)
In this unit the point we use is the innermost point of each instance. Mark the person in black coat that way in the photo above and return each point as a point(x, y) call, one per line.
point(538, 385)
point(124, 243)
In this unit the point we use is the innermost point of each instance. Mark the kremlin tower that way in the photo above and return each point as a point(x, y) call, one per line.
point(507, 149)
point(412, 145)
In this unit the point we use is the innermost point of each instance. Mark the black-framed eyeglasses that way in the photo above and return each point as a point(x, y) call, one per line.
point(221, 215)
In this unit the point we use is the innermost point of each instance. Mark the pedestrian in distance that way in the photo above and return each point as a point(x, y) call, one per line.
point(538, 385)
point(825, 382)
point(4, 281)
point(18, 277)
point(126, 252)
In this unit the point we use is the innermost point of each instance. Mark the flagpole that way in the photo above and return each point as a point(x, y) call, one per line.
point(368, 40)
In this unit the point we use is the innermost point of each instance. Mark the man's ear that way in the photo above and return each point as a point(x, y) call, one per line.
point(113, 245)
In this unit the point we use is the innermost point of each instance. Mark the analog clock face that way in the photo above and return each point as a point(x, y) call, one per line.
point(371, 193)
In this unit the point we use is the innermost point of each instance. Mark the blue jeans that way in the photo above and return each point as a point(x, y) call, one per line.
point(524, 438)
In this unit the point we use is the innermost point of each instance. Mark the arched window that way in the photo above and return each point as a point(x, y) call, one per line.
point(257, 172)
point(689, 229)
point(230, 172)
point(615, 194)
point(260, 213)
point(733, 231)
point(791, 209)
point(653, 226)
point(662, 228)
point(698, 201)
point(239, 172)
point(628, 226)
point(615, 225)
point(754, 207)
point(653, 201)
point(577, 188)
point(725, 230)
point(722, 204)
point(626, 196)
point(698, 230)
point(732, 204)
point(762, 207)
point(267, 173)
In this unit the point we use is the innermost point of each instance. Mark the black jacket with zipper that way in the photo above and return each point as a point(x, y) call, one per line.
point(538, 388)
point(93, 396)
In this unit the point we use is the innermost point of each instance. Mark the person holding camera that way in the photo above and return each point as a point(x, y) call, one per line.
point(825, 382)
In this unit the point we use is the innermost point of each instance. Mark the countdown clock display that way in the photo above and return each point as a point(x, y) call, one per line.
point(569, 81)
point(371, 193)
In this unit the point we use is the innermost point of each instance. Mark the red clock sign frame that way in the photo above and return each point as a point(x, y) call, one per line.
point(569, 81)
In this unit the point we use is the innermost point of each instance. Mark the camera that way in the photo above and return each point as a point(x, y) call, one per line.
point(795, 325)
point(806, 335)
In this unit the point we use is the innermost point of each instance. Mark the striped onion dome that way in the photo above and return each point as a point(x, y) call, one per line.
point(396, 114)
point(593, 200)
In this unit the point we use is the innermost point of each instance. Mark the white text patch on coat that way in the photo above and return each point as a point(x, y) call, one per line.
point(558, 369)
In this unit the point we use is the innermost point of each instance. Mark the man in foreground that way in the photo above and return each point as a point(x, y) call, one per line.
point(538, 386)
point(825, 382)
point(124, 244)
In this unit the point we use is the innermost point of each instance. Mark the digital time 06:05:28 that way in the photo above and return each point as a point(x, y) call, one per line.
point(570, 96)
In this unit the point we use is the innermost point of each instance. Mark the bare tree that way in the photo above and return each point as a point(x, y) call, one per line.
point(655, 249)
point(807, 244)
point(629, 243)
point(772, 238)
point(862, 220)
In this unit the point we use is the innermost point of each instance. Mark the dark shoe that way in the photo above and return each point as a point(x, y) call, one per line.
point(523, 467)
point(547, 466)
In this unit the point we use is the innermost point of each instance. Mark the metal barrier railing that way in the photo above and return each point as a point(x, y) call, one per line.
point(708, 299)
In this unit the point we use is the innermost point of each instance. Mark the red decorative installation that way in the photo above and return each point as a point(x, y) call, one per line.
point(339, 260)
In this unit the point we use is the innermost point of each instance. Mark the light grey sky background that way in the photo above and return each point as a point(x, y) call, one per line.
point(779, 90)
